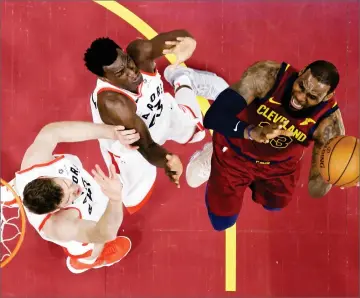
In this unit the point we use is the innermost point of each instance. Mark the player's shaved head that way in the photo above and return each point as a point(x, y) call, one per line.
point(325, 72)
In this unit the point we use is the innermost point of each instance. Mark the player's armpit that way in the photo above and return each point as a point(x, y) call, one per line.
point(144, 52)
point(329, 128)
point(119, 110)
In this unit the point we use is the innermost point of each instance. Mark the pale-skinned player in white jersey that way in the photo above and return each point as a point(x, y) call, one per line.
point(130, 92)
point(65, 204)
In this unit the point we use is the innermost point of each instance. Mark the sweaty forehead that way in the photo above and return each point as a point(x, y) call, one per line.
point(119, 63)
point(312, 85)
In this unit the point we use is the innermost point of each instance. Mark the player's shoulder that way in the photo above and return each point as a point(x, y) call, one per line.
point(113, 99)
point(264, 70)
point(62, 220)
point(113, 105)
point(267, 64)
point(33, 158)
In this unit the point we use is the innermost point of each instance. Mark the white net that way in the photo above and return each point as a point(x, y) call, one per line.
point(12, 223)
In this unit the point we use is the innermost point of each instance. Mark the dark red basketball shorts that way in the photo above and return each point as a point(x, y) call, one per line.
point(272, 185)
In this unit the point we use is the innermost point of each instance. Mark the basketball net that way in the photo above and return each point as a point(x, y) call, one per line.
point(13, 223)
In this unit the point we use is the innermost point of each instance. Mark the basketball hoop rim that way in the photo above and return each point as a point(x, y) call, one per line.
point(23, 224)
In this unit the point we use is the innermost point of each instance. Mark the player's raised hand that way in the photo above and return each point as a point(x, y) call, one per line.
point(126, 137)
point(182, 48)
point(174, 168)
point(110, 185)
point(263, 134)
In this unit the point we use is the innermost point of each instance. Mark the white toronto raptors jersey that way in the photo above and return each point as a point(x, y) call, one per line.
point(91, 204)
point(151, 106)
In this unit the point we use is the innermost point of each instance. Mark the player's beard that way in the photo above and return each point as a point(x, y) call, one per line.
point(303, 113)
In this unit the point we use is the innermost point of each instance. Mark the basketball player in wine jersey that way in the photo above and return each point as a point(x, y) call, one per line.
point(66, 205)
point(130, 92)
point(262, 125)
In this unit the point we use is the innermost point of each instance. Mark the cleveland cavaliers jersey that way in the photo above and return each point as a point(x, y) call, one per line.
point(150, 106)
point(271, 109)
point(91, 204)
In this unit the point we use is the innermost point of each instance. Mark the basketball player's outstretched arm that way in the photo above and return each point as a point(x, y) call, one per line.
point(255, 82)
point(42, 148)
point(329, 128)
point(144, 52)
point(117, 109)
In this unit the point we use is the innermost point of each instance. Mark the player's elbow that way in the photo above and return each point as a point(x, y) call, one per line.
point(100, 236)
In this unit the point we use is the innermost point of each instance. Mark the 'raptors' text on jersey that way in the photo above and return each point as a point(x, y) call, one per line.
point(154, 105)
point(272, 109)
point(86, 186)
point(150, 106)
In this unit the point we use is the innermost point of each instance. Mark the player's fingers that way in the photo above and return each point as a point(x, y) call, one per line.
point(99, 180)
point(119, 128)
point(274, 125)
point(170, 162)
point(171, 42)
point(100, 172)
point(175, 179)
point(127, 140)
point(112, 172)
point(165, 52)
point(127, 132)
point(286, 133)
point(181, 38)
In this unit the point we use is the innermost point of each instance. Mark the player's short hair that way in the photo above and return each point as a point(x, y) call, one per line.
point(42, 196)
point(102, 52)
point(325, 72)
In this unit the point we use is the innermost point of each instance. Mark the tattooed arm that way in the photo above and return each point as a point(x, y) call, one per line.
point(329, 128)
point(256, 82)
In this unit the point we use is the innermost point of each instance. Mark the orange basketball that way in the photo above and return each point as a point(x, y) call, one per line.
point(338, 161)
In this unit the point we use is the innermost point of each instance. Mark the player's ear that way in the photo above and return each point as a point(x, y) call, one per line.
point(329, 96)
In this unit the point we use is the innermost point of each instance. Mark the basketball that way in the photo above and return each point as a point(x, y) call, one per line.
point(338, 161)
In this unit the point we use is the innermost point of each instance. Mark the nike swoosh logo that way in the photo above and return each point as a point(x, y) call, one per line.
point(235, 129)
point(307, 121)
point(274, 102)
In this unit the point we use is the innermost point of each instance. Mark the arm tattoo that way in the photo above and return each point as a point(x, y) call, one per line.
point(257, 80)
point(330, 127)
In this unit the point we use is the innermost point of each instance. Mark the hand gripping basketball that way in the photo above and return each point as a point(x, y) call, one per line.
point(262, 134)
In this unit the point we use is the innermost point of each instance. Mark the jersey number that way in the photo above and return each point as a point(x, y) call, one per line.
point(279, 142)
